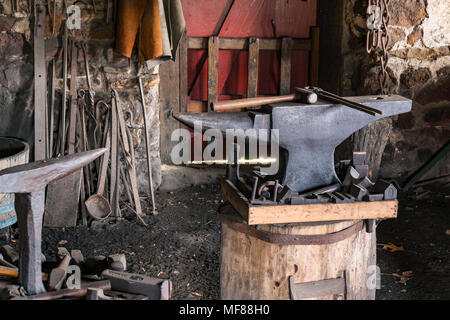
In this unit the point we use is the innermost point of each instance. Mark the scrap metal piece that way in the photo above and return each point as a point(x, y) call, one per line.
point(373, 197)
point(365, 182)
point(77, 257)
point(351, 176)
point(388, 190)
point(308, 134)
point(363, 170)
point(28, 182)
point(154, 288)
point(10, 254)
point(58, 275)
point(117, 262)
point(359, 158)
point(358, 191)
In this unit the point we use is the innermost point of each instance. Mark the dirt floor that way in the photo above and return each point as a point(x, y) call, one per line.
point(182, 243)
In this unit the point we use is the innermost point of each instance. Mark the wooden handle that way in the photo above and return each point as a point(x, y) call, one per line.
point(247, 103)
point(14, 273)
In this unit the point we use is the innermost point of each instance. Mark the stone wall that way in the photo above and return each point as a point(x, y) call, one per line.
point(108, 71)
point(419, 69)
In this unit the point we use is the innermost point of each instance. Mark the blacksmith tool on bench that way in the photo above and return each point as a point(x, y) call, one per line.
point(307, 95)
point(28, 182)
point(308, 133)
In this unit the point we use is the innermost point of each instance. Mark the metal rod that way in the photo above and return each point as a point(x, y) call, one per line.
point(147, 143)
point(64, 94)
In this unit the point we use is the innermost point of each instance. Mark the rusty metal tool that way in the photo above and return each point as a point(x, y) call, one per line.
point(300, 95)
point(307, 135)
point(69, 293)
point(64, 93)
point(28, 182)
point(328, 96)
point(63, 196)
point(154, 288)
point(129, 155)
point(114, 151)
point(99, 294)
point(73, 97)
point(306, 95)
point(58, 275)
point(52, 108)
point(108, 11)
point(10, 253)
point(5, 263)
point(147, 144)
point(40, 87)
point(132, 176)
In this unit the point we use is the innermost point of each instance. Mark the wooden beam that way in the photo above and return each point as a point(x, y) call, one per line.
point(259, 214)
point(242, 43)
point(285, 69)
point(314, 57)
point(213, 70)
point(252, 77)
point(236, 198)
point(183, 64)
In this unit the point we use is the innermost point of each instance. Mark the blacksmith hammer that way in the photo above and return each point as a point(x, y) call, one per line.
point(28, 182)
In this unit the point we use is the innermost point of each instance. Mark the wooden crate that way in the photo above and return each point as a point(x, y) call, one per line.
point(262, 214)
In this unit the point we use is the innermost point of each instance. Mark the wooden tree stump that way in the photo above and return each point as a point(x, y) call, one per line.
point(257, 270)
point(373, 139)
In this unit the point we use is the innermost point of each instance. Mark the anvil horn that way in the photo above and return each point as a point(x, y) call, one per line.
point(308, 133)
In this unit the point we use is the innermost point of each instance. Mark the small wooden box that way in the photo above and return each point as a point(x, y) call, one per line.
point(266, 214)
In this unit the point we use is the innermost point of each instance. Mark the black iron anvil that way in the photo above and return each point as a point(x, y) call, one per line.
point(308, 133)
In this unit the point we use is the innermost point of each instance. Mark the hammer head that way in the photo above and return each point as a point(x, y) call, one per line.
point(35, 176)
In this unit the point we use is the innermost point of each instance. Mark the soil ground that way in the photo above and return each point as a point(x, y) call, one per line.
point(183, 243)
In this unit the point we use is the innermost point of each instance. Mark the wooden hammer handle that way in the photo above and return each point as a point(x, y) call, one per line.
point(14, 273)
point(238, 104)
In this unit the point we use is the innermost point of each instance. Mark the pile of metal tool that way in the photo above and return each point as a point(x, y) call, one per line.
point(71, 276)
point(87, 124)
point(355, 186)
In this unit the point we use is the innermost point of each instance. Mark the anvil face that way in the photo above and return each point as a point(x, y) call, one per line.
point(308, 133)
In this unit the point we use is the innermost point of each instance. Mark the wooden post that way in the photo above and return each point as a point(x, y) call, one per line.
point(213, 72)
point(314, 57)
point(285, 72)
point(183, 64)
point(253, 57)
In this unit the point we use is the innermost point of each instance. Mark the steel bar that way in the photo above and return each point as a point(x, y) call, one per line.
point(40, 86)
point(64, 93)
point(147, 144)
point(52, 108)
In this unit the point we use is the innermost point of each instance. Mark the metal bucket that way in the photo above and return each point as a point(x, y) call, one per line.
point(13, 152)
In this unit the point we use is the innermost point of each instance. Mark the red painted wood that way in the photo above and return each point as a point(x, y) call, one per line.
point(249, 18)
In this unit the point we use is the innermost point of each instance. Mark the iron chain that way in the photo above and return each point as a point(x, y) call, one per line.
point(378, 37)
